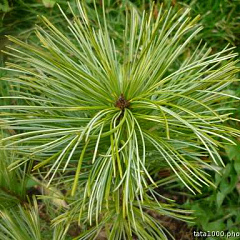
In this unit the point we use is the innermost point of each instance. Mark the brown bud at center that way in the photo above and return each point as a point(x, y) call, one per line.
point(122, 103)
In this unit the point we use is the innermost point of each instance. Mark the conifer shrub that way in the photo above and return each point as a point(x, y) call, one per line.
point(95, 117)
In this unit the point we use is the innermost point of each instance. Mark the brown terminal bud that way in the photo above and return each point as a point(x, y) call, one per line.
point(122, 103)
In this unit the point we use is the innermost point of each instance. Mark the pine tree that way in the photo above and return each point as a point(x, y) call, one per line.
point(99, 115)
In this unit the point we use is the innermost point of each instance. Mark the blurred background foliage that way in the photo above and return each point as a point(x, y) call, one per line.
point(215, 209)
